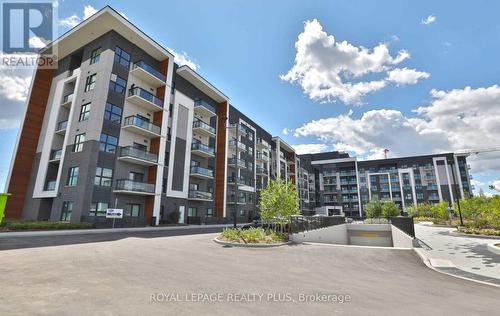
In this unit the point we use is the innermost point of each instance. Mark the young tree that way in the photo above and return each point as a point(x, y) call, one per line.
point(390, 209)
point(374, 209)
point(279, 200)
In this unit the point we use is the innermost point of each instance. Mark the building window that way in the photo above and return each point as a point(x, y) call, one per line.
point(72, 176)
point(132, 210)
point(210, 212)
point(67, 208)
point(98, 209)
point(108, 143)
point(103, 176)
point(122, 57)
point(84, 112)
point(78, 145)
point(117, 84)
point(113, 113)
point(192, 211)
point(90, 82)
point(95, 55)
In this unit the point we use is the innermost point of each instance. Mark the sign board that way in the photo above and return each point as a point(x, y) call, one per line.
point(114, 213)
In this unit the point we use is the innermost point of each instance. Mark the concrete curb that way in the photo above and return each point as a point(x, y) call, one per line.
point(446, 263)
point(226, 243)
point(352, 246)
point(494, 249)
point(460, 234)
point(42, 233)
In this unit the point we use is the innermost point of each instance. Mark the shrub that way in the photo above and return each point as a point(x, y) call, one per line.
point(44, 225)
point(173, 217)
point(374, 209)
point(231, 234)
point(390, 209)
point(279, 200)
point(440, 210)
point(253, 234)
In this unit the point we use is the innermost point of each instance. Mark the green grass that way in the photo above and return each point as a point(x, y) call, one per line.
point(42, 225)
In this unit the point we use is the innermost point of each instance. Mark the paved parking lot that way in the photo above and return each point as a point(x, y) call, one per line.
point(138, 276)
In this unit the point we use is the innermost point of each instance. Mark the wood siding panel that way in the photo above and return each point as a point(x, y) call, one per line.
point(26, 150)
point(220, 163)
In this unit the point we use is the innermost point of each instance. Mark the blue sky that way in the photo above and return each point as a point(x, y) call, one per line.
point(246, 47)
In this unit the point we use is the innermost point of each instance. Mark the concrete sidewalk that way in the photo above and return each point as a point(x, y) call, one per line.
point(463, 256)
point(34, 233)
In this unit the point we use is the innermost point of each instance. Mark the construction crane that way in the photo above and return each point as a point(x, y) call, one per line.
point(478, 151)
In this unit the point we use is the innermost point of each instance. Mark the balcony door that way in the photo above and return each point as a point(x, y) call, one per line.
point(136, 176)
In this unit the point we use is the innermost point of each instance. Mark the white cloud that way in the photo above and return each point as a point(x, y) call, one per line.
point(328, 70)
point(74, 20)
point(454, 120)
point(70, 21)
point(14, 87)
point(404, 76)
point(309, 148)
point(495, 184)
point(88, 11)
point(428, 20)
point(38, 42)
point(285, 131)
point(183, 59)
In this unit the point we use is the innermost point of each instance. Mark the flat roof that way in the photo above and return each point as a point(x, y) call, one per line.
point(201, 83)
point(100, 23)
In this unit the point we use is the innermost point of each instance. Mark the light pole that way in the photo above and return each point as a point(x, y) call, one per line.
point(236, 160)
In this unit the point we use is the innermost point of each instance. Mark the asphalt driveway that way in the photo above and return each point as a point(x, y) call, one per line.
point(173, 275)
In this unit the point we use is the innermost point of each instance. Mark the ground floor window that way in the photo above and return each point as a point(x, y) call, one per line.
point(242, 212)
point(210, 212)
point(192, 211)
point(98, 209)
point(67, 208)
point(132, 210)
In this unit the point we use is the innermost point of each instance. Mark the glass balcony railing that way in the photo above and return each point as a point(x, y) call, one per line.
point(204, 126)
point(141, 64)
point(135, 186)
point(240, 180)
point(62, 125)
point(194, 194)
point(68, 98)
point(56, 154)
point(233, 161)
point(204, 148)
point(146, 95)
point(232, 143)
point(51, 185)
point(202, 171)
point(139, 122)
point(133, 152)
point(261, 170)
point(205, 104)
point(262, 142)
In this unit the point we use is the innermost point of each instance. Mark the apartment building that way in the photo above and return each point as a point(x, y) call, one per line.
point(342, 184)
point(120, 125)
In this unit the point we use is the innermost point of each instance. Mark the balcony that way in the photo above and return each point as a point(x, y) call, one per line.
point(141, 126)
point(61, 127)
point(145, 99)
point(432, 187)
point(67, 99)
point(241, 146)
point(240, 180)
point(127, 186)
point(203, 128)
point(202, 150)
point(201, 173)
point(55, 155)
point(204, 108)
point(262, 143)
point(200, 195)
point(261, 156)
point(148, 74)
point(241, 130)
point(233, 161)
point(347, 173)
point(138, 156)
point(231, 199)
point(261, 171)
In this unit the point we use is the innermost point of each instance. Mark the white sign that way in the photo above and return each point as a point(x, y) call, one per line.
point(114, 213)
